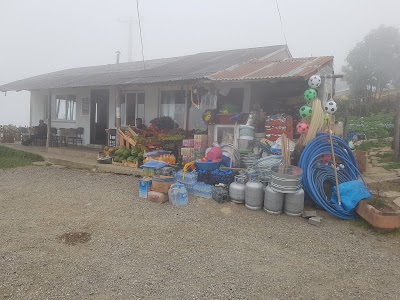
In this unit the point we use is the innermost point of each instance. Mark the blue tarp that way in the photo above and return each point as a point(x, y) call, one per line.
point(351, 193)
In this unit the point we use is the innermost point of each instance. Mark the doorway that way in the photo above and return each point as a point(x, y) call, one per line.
point(99, 102)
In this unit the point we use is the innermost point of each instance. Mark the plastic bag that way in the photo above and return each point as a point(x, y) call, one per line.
point(351, 193)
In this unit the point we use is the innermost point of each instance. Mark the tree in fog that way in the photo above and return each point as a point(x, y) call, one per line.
point(373, 65)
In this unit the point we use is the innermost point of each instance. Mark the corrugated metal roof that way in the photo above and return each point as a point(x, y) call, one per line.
point(188, 67)
point(258, 69)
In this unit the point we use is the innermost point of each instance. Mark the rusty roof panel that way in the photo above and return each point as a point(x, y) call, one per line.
point(190, 67)
point(262, 69)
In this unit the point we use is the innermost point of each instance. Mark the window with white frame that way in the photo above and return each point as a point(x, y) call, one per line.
point(134, 107)
point(173, 104)
point(66, 107)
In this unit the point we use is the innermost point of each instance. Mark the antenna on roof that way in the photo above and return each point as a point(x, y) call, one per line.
point(118, 54)
point(130, 23)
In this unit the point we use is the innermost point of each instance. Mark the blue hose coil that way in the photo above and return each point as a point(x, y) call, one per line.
point(315, 173)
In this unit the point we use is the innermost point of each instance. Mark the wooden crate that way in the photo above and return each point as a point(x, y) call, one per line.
point(118, 163)
point(132, 164)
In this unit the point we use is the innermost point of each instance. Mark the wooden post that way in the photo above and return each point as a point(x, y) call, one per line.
point(397, 131)
point(48, 141)
point(330, 129)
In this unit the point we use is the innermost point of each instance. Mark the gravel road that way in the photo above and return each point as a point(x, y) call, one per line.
point(134, 249)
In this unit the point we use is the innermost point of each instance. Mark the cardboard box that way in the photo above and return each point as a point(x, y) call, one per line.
point(162, 184)
point(144, 187)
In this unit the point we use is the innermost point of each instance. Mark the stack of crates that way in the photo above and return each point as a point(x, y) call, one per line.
point(277, 125)
point(200, 145)
point(187, 151)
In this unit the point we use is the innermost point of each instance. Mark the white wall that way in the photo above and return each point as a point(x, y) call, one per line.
point(39, 102)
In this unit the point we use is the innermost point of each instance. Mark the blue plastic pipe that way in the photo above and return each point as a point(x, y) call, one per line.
point(316, 171)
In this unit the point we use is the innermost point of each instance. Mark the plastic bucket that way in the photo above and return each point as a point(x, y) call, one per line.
point(214, 154)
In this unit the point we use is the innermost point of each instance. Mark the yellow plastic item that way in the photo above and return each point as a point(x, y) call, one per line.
point(186, 167)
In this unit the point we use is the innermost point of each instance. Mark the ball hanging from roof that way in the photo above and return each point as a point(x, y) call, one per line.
point(209, 116)
point(314, 81)
point(305, 111)
point(310, 94)
point(302, 127)
point(330, 107)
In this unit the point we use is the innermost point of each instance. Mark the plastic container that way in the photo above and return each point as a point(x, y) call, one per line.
point(144, 187)
point(214, 153)
point(225, 118)
point(203, 190)
point(188, 177)
point(178, 195)
point(208, 166)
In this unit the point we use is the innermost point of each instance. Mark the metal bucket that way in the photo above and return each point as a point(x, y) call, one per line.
point(286, 179)
point(294, 203)
point(273, 201)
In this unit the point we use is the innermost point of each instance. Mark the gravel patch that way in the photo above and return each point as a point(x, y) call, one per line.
point(135, 249)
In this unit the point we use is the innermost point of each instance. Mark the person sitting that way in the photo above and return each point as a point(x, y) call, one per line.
point(41, 134)
point(139, 124)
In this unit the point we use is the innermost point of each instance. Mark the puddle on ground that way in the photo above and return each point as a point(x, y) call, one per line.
point(73, 238)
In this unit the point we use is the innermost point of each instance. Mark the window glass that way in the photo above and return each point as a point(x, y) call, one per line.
point(140, 106)
point(173, 105)
point(133, 109)
point(130, 109)
point(66, 108)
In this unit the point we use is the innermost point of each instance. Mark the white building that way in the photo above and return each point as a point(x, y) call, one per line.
point(87, 97)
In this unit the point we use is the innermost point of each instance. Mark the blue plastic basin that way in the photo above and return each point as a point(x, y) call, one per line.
point(207, 166)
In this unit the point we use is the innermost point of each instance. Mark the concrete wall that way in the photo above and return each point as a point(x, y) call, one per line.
point(39, 102)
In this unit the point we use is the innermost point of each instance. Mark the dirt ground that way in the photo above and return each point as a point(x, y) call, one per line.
point(69, 234)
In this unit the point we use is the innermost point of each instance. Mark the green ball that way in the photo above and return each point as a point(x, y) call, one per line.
point(305, 111)
point(310, 94)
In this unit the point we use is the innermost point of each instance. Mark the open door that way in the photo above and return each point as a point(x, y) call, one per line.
point(99, 102)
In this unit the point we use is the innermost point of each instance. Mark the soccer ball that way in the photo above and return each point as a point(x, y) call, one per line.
point(314, 81)
point(310, 94)
point(305, 111)
point(302, 127)
point(330, 107)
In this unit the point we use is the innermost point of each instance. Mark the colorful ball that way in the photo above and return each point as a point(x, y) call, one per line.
point(330, 107)
point(326, 118)
point(305, 111)
point(310, 94)
point(314, 81)
point(302, 127)
point(326, 159)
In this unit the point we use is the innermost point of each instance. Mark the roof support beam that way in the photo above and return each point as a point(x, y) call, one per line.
point(48, 141)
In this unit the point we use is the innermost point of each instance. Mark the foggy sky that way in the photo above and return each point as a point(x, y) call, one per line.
point(42, 36)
